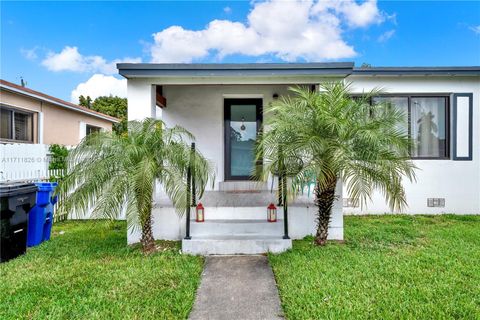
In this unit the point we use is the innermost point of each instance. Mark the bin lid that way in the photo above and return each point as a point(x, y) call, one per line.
point(8, 189)
point(46, 186)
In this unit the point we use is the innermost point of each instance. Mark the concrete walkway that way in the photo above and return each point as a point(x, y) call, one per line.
point(237, 287)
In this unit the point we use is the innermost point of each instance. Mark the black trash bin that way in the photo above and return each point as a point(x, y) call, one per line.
point(16, 201)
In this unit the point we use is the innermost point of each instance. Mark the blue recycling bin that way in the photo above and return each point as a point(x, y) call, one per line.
point(47, 228)
point(40, 217)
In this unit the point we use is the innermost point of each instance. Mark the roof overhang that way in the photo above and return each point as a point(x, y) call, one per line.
point(417, 71)
point(60, 104)
point(250, 71)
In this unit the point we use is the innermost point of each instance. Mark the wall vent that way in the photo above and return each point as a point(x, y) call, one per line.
point(350, 203)
point(436, 202)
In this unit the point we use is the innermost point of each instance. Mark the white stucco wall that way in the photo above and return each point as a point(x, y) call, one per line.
point(456, 181)
point(141, 99)
point(199, 109)
point(168, 225)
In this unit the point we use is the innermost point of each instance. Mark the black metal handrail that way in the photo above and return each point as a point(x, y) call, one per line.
point(191, 192)
point(282, 191)
point(194, 188)
point(285, 207)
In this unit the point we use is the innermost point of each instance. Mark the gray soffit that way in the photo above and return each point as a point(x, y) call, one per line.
point(147, 70)
point(418, 71)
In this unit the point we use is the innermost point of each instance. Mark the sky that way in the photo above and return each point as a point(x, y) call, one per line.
point(70, 48)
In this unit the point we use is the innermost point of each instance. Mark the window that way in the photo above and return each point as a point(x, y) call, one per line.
point(426, 122)
point(398, 102)
point(92, 129)
point(16, 125)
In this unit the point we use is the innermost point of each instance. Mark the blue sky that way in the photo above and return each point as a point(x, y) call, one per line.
point(70, 48)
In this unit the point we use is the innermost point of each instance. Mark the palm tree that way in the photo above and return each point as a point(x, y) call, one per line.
point(115, 174)
point(331, 135)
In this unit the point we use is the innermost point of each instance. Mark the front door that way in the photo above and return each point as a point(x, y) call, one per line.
point(243, 120)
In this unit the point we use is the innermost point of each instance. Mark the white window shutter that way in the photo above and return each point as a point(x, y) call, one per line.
point(83, 130)
point(40, 127)
point(462, 126)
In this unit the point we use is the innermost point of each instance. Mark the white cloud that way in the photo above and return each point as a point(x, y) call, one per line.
point(359, 15)
point(30, 54)
point(475, 29)
point(391, 17)
point(70, 59)
point(290, 30)
point(386, 35)
point(100, 85)
point(227, 10)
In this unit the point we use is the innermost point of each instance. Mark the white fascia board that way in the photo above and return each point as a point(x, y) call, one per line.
point(235, 80)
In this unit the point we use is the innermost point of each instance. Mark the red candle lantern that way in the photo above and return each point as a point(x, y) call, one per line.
point(200, 210)
point(271, 213)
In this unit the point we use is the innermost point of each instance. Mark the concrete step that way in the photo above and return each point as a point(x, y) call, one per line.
point(243, 186)
point(236, 213)
point(237, 244)
point(230, 227)
point(240, 199)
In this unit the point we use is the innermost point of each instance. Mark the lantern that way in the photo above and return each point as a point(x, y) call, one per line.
point(200, 210)
point(271, 213)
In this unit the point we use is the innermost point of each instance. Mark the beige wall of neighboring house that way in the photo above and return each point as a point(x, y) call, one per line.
point(54, 121)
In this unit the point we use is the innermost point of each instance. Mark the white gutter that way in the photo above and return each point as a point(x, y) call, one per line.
point(57, 103)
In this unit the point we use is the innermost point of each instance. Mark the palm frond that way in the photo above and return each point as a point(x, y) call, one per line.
point(111, 175)
point(339, 135)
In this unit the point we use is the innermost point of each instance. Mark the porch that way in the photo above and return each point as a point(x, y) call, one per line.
point(225, 113)
point(236, 222)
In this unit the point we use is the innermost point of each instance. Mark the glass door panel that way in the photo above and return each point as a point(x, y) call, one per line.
point(242, 122)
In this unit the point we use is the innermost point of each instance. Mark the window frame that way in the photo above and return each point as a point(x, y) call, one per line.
point(227, 102)
point(12, 124)
point(410, 96)
point(92, 126)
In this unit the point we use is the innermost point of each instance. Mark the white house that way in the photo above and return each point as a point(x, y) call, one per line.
point(212, 100)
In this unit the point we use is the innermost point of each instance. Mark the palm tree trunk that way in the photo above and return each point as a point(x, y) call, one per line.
point(324, 199)
point(147, 240)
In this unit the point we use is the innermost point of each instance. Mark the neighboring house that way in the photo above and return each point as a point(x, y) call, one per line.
point(29, 116)
point(221, 104)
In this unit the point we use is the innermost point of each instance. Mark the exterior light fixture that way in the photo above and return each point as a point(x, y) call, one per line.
point(271, 213)
point(200, 213)
point(275, 96)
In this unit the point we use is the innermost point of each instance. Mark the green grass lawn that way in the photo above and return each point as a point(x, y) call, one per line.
point(390, 267)
point(88, 272)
